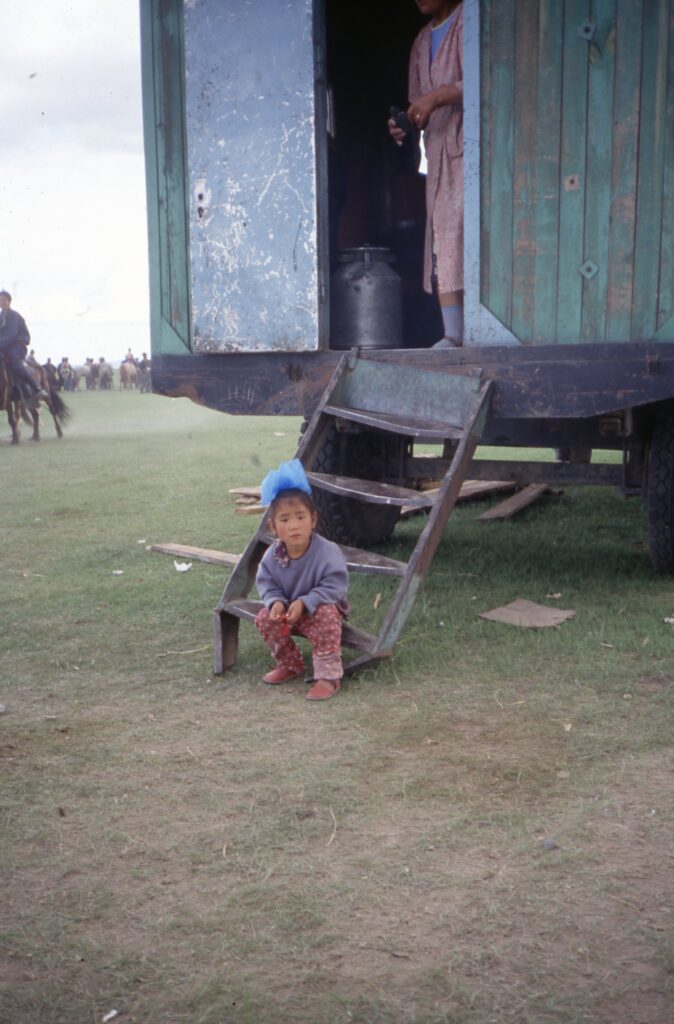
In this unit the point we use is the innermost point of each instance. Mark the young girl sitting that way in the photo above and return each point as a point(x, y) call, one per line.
point(303, 582)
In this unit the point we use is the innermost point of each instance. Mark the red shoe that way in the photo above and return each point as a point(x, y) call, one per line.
point(324, 689)
point(282, 675)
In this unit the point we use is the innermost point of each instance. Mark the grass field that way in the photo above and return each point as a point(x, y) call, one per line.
point(479, 831)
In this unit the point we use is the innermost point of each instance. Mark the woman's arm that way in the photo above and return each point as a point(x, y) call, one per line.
point(444, 96)
point(413, 91)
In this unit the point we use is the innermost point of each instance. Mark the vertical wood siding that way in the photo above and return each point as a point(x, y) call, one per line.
point(666, 290)
point(578, 168)
point(164, 128)
point(548, 142)
point(524, 167)
point(651, 167)
point(572, 178)
point(499, 225)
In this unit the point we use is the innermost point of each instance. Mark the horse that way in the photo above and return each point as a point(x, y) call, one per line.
point(90, 373)
point(16, 409)
point(60, 412)
point(7, 390)
point(127, 376)
point(80, 373)
point(105, 376)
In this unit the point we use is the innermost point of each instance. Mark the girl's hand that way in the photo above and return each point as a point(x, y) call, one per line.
point(277, 611)
point(295, 612)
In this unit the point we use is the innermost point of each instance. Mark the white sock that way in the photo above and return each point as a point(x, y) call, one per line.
point(452, 317)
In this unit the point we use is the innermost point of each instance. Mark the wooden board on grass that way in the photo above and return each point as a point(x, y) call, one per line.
point(469, 489)
point(483, 488)
point(508, 508)
point(246, 492)
point(201, 554)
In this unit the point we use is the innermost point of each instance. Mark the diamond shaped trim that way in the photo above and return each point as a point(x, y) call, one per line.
point(586, 30)
point(588, 270)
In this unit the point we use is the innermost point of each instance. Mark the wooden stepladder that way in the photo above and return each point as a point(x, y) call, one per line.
point(446, 406)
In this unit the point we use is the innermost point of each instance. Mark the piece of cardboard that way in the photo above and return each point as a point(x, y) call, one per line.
point(528, 614)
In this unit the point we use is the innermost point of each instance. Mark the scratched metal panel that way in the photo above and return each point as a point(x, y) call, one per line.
point(250, 100)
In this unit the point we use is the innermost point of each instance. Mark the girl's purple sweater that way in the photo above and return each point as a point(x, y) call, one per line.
point(319, 577)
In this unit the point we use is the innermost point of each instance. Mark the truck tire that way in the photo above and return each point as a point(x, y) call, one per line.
point(363, 455)
point(660, 496)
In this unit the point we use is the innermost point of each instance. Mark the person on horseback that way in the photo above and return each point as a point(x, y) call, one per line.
point(52, 375)
point(14, 338)
point(65, 372)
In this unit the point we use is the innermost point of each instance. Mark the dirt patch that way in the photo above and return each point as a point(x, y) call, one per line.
point(233, 868)
point(653, 685)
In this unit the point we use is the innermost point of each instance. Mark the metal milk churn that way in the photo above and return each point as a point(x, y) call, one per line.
point(365, 300)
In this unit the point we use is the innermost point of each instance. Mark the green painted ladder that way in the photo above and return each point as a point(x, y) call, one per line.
point(377, 396)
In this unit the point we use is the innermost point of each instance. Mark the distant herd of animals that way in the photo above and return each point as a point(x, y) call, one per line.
point(133, 373)
point(53, 380)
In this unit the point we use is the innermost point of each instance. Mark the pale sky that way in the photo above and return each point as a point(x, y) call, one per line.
point(73, 249)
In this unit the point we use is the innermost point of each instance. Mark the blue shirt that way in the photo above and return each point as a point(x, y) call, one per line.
point(438, 34)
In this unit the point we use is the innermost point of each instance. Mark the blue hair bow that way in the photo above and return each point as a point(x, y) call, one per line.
point(289, 476)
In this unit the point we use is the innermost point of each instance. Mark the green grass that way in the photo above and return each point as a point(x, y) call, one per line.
point(189, 848)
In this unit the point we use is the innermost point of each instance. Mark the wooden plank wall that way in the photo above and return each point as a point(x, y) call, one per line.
point(166, 174)
point(578, 167)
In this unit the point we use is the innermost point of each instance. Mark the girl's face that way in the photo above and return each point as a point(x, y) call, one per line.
point(293, 523)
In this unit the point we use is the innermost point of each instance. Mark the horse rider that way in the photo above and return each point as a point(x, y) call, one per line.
point(144, 367)
point(14, 339)
point(52, 374)
point(65, 372)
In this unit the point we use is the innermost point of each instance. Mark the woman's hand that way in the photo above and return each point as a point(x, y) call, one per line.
point(397, 134)
point(277, 611)
point(422, 108)
point(295, 612)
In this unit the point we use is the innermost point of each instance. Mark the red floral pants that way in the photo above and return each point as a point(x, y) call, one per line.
point(323, 630)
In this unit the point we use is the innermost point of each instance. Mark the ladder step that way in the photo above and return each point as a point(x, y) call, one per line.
point(352, 637)
point(358, 560)
point(357, 639)
point(423, 429)
point(372, 491)
point(362, 561)
point(243, 608)
point(372, 563)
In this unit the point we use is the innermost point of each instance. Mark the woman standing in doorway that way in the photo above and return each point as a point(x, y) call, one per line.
point(436, 108)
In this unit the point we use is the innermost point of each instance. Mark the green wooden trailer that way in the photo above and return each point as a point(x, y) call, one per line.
point(267, 152)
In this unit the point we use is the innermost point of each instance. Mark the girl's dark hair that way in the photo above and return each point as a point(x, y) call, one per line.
point(292, 492)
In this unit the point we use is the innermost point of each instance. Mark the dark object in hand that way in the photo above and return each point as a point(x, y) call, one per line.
point(401, 120)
